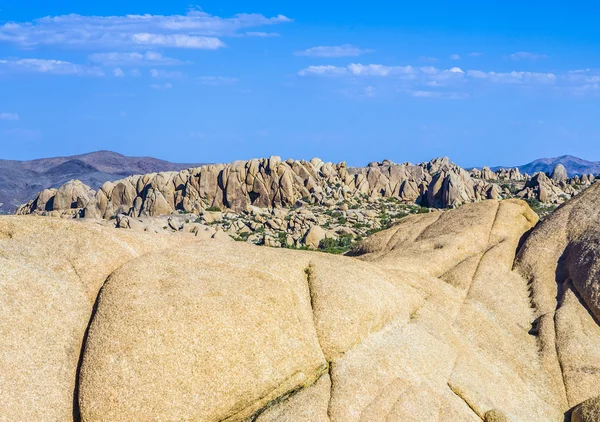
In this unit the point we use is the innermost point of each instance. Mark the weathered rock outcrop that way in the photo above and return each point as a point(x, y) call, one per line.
point(431, 320)
point(269, 183)
point(559, 259)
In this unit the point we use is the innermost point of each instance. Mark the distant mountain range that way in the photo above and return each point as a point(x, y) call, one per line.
point(21, 180)
point(574, 165)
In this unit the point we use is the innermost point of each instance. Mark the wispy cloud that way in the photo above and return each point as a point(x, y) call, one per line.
point(434, 76)
point(455, 56)
point(150, 58)
point(439, 95)
point(357, 69)
point(163, 74)
point(118, 73)
point(9, 116)
point(216, 80)
point(475, 54)
point(55, 67)
point(161, 87)
point(524, 55)
point(425, 59)
point(514, 77)
point(261, 34)
point(177, 41)
point(345, 50)
point(432, 82)
point(196, 29)
point(378, 70)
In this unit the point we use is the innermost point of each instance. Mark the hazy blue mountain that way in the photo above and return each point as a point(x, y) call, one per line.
point(20, 181)
point(574, 165)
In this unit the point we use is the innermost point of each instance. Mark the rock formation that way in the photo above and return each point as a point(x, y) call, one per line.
point(559, 174)
point(428, 320)
point(272, 183)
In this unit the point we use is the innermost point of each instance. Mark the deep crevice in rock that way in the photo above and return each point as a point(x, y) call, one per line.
point(76, 406)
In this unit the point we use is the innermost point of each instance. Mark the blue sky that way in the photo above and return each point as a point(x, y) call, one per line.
point(485, 83)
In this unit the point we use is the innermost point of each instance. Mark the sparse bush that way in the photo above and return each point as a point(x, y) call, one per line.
point(337, 246)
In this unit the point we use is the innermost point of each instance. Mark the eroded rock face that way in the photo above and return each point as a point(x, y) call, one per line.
point(559, 259)
point(430, 320)
point(267, 183)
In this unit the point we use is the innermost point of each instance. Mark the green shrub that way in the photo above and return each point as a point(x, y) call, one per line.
point(337, 246)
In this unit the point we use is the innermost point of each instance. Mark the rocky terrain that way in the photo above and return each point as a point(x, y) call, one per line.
point(478, 313)
point(297, 204)
point(20, 181)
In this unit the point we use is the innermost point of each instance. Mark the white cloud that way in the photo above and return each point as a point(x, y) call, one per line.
point(514, 77)
point(195, 29)
point(357, 69)
point(261, 34)
point(9, 116)
point(419, 81)
point(455, 56)
point(345, 50)
point(161, 87)
point(150, 58)
point(379, 70)
point(216, 80)
point(475, 54)
point(56, 67)
point(439, 95)
point(327, 70)
point(118, 73)
point(177, 41)
point(524, 55)
point(163, 74)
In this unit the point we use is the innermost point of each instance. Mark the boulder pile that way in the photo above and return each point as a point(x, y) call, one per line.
point(297, 204)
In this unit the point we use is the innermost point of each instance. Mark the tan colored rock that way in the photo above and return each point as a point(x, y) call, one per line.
point(218, 359)
point(307, 405)
point(432, 320)
point(495, 416)
point(43, 316)
point(314, 236)
point(73, 194)
point(52, 270)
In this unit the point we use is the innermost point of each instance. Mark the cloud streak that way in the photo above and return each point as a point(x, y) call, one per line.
point(194, 30)
point(346, 50)
point(9, 116)
point(51, 67)
point(216, 80)
point(150, 58)
point(524, 55)
point(432, 82)
point(439, 95)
